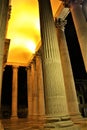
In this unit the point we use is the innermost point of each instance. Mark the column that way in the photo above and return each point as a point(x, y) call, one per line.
point(34, 89)
point(67, 72)
point(41, 103)
point(81, 28)
point(55, 96)
point(14, 92)
point(4, 5)
point(84, 8)
point(29, 92)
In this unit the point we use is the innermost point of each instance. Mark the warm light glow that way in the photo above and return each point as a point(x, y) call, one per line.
point(24, 30)
point(24, 43)
point(31, 46)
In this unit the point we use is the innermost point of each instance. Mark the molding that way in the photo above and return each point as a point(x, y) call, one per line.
point(6, 49)
point(64, 13)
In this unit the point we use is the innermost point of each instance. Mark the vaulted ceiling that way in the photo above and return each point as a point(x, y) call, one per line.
point(24, 30)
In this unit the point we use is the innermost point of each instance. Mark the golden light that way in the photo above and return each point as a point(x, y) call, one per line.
point(24, 30)
point(31, 46)
point(24, 43)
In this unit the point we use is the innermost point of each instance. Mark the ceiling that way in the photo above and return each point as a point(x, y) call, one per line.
point(24, 30)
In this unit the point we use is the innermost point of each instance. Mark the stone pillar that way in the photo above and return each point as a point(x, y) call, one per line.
point(55, 96)
point(84, 8)
point(29, 92)
point(4, 5)
point(81, 28)
point(41, 103)
point(67, 72)
point(34, 89)
point(14, 92)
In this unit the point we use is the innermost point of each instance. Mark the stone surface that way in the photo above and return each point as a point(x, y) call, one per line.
point(81, 28)
point(26, 124)
point(67, 73)
point(1, 126)
point(14, 91)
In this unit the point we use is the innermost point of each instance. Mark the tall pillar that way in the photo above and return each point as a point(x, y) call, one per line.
point(41, 103)
point(34, 89)
point(81, 28)
point(29, 90)
point(67, 72)
point(55, 97)
point(4, 5)
point(14, 92)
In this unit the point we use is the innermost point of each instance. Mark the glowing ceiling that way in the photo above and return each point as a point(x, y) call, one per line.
point(24, 30)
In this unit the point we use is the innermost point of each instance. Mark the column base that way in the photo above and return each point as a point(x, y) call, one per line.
point(63, 125)
point(41, 118)
point(14, 117)
point(1, 126)
point(77, 119)
point(32, 117)
point(60, 123)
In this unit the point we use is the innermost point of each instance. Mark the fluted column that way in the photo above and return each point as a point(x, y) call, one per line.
point(81, 28)
point(67, 72)
point(53, 78)
point(41, 103)
point(4, 5)
point(34, 90)
point(29, 90)
point(55, 96)
point(14, 92)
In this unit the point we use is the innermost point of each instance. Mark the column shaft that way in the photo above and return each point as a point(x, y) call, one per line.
point(67, 72)
point(55, 96)
point(81, 28)
point(53, 76)
point(41, 103)
point(34, 89)
point(14, 91)
point(29, 88)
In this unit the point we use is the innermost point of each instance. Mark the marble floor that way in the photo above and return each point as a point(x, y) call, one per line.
point(26, 124)
point(83, 124)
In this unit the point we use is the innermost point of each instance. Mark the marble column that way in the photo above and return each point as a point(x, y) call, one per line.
point(29, 92)
point(81, 28)
point(14, 92)
point(40, 87)
point(4, 5)
point(67, 72)
point(34, 89)
point(56, 108)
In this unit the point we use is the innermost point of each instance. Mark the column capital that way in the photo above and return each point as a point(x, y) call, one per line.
point(15, 66)
point(38, 55)
point(33, 61)
point(28, 67)
point(60, 23)
point(67, 3)
point(39, 52)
